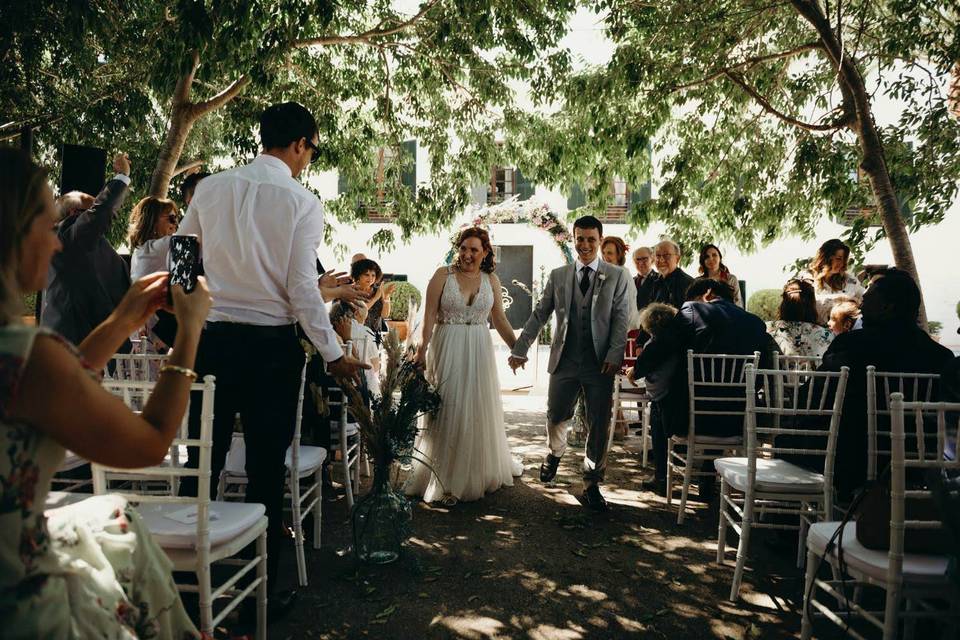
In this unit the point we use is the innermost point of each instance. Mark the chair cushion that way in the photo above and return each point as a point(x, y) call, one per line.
point(773, 475)
point(57, 499)
point(917, 568)
point(172, 526)
point(352, 429)
point(310, 458)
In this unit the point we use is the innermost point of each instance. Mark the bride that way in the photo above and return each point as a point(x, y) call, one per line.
point(465, 443)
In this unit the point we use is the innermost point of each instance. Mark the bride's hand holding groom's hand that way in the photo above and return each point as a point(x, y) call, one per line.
point(516, 362)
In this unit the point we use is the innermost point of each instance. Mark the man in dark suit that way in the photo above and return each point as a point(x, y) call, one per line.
point(672, 284)
point(88, 278)
point(709, 322)
point(646, 276)
point(890, 340)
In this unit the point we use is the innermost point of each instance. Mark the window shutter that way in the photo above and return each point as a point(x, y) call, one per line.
point(408, 174)
point(524, 188)
point(343, 185)
point(577, 198)
point(641, 194)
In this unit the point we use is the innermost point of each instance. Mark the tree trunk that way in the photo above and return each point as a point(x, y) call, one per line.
point(873, 162)
point(182, 118)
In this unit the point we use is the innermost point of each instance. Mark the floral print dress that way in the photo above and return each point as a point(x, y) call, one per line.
point(87, 570)
point(800, 338)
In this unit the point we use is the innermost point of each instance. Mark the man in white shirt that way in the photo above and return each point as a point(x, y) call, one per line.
point(260, 229)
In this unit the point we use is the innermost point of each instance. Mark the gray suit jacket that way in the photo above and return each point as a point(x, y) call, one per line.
point(610, 313)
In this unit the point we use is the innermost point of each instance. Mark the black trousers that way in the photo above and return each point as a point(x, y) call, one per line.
point(257, 371)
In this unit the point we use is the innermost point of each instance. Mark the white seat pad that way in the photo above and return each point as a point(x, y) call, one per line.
point(310, 458)
point(227, 521)
point(352, 429)
point(774, 475)
point(917, 568)
point(57, 499)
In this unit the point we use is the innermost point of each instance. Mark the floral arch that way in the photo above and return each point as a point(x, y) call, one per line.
point(516, 211)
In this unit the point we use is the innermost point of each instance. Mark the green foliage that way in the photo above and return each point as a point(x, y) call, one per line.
point(401, 300)
point(958, 310)
point(29, 303)
point(732, 169)
point(764, 303)
point(376, 76)
point(934, 327)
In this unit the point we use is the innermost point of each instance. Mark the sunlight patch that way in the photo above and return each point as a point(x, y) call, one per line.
point(472, 627)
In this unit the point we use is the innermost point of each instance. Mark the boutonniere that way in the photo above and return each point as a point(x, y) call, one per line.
point(602, 277)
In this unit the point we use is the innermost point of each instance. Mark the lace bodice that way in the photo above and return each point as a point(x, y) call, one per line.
point(454, 308)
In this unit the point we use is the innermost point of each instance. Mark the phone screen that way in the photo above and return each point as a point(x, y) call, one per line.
point(183, 262)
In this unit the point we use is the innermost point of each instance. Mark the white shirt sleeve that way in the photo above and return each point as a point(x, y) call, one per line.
point(302, 288)
point(190, 224)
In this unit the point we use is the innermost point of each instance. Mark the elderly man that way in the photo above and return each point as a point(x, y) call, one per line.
point(646, 276)
point(671, 287)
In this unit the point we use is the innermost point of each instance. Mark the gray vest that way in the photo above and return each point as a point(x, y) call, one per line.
point(578, 347)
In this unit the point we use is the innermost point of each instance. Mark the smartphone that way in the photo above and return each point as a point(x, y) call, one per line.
point(183, 263)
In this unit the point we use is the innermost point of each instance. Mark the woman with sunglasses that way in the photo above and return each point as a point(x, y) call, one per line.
point(152, 222)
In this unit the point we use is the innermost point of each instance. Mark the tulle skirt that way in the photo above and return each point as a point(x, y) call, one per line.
point(465, 444)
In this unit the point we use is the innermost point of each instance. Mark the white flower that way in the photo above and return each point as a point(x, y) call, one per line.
point(602, 277)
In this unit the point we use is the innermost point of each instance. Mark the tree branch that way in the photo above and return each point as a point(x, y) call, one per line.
point(181, 93)
point(843, 121)
point(749, 63)
point(223, 97)
point(186, 167)
point(365, 37)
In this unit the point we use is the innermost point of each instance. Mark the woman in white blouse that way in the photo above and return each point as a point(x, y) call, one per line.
point(831, 281)
point(711, 266)
point(152, 223)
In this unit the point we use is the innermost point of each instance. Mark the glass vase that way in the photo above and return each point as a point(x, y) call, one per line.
point(381, 521)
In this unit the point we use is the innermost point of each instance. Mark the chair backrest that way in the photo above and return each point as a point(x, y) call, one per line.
point(796, 363)
point(717, 387)
point(295, 443)
point(811, 400)
point(632, 350)
point(913, 387)
point(914, 417)
point(339, 403)
point(140, 367)
point(103, 475)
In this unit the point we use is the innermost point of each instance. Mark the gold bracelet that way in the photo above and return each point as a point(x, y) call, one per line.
point(190, 374)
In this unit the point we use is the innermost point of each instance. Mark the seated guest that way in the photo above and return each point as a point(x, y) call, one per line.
point(831, 280)
point(891, 341)
point(368, 279)
point(709, 322)
point(94, 571)
point(654, 319)
point(844, 316)
point(88, 278)
point(711, 266)
point(152, 223)
point(795, 330)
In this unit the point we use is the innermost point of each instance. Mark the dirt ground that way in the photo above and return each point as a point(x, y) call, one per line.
point(530, 562)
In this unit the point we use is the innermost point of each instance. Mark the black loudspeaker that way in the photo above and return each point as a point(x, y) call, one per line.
point(82, 169)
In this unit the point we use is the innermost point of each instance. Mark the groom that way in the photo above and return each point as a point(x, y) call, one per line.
point(590, 298)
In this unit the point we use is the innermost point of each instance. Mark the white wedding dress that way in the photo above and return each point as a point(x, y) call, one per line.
point(465, 443)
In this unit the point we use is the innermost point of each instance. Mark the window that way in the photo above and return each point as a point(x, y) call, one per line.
point(503, 185)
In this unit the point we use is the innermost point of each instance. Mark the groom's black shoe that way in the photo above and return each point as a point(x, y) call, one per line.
point(548, 470)
point(594, 499)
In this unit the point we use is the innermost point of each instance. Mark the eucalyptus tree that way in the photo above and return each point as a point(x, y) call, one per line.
point(761, 117)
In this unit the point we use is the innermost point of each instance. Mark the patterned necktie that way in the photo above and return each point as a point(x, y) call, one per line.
point(585, 280)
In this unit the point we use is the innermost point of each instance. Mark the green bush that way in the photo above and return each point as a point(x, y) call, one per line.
point(958, 309)
point(934, 327)
point(400, 300)
point(29, 303)
point(764, 303)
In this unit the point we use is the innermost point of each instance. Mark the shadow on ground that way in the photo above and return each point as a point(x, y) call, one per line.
point(531, 562)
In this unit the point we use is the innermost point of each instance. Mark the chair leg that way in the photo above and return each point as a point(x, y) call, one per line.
point(743, 547)
point(645, 429)
point(356, 469)
point(670, 472)
point(891, 613)
point(318, 507)
point(262, 587)
point(221, 485)
point(806, 624)
point(205, 597)
point(347, 489)
point(294, 483)
point(802, 541)
point(722, 526)
point(687, 479)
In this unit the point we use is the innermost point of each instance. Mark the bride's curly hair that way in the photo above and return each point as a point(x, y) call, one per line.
point(488, 265)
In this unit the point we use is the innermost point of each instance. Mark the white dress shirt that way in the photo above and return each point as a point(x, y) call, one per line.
point(260, 230)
